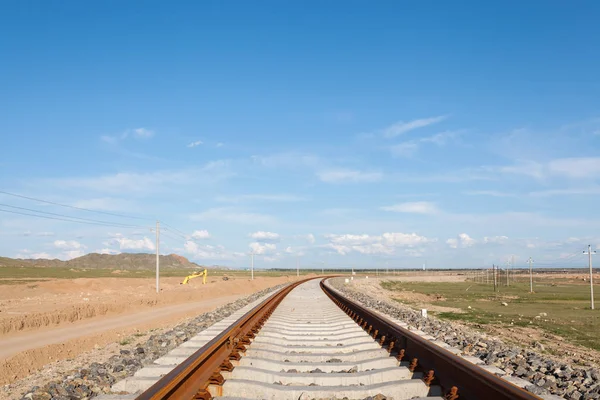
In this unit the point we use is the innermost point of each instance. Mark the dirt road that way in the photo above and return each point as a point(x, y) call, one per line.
point(116, 308)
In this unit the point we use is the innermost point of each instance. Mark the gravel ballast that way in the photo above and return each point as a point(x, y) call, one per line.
point(97, 378)
point(547, 376)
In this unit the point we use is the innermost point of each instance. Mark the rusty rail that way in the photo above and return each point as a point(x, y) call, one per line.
point(458, 378)
point(191, 378)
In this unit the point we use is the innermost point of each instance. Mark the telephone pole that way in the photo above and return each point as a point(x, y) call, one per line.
point(507, 266)
point(589, 253)
point(494, 269)
point(530, 275)
point(512, 265)
point(157, 258)
point(252, 266)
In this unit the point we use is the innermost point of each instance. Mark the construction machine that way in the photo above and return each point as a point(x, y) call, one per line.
point(197, 274)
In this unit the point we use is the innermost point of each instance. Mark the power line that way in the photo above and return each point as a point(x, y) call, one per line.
point(175, 229)
point(67, 220)
point(176, 233)
point(115, 224)
point(74, 207)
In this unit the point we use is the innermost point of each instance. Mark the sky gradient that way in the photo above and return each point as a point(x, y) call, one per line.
point(349, 133)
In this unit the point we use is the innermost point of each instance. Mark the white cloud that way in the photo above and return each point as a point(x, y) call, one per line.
point(261, 236)
point(233, 216)
point(442, 138)
point(262, 248)
point(209, 252)
point(68, 245)
point(141, 132)
point(310, 238)
point(406, 149)
point(348, 176)
point(591, 190)
point(401, 127)
point(409, 148)
point(135, 244)
point(417, 207)
point(107, 251)
point(404, 239)
point(196, 143)
point(461, 240)
point(71, 254)
point(127, 182)
point(220, 144)
point(105, 204)
point(527, 168)
point(259, 197)
point(577, 168)
point(350, 239)
point(203, 234)
point(289, 160)
point(495, 239)
point(387, 243)
point(493, 193)
point(138, 133)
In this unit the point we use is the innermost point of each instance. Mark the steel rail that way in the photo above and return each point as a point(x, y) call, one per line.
point(457, 377)
point(191, 378)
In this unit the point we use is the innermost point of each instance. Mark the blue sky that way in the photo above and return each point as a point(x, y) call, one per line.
point(453, 134)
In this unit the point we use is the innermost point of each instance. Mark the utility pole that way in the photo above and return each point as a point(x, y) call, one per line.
point(494, 268)
point(530, 275)
point(157, 258)
point(589, 253)
point(298, 266)
point(252, 266)
point(512, 265)
point(507, 267)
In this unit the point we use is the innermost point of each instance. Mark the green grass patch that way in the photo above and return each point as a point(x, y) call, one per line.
point(567, 306)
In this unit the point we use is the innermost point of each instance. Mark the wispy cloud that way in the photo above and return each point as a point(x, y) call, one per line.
point(137, 133)
point(234, 216)
point(128, 182)
point(291, 160)
point(402, 127)
point(417, 207)
point(410, 147)
point(196, 143)
point(349, 176)
point(406, 149)
point(259, 198)
point(492, 193)
point(592, 190)
point(576, 167)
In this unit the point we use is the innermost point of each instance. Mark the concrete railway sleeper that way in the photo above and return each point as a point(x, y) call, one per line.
point(308, 341)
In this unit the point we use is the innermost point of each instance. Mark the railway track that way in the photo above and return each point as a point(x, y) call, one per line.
point(308, 341)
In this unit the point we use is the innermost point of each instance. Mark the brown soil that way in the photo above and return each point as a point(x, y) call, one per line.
point(60, 319)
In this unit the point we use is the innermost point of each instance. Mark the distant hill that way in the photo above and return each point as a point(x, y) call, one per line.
point(123, 261)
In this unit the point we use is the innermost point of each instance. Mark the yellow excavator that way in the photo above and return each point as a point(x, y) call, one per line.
point(197, 274)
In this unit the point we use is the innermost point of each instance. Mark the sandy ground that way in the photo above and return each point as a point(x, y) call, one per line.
point(60, 319)
point(519, 336)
